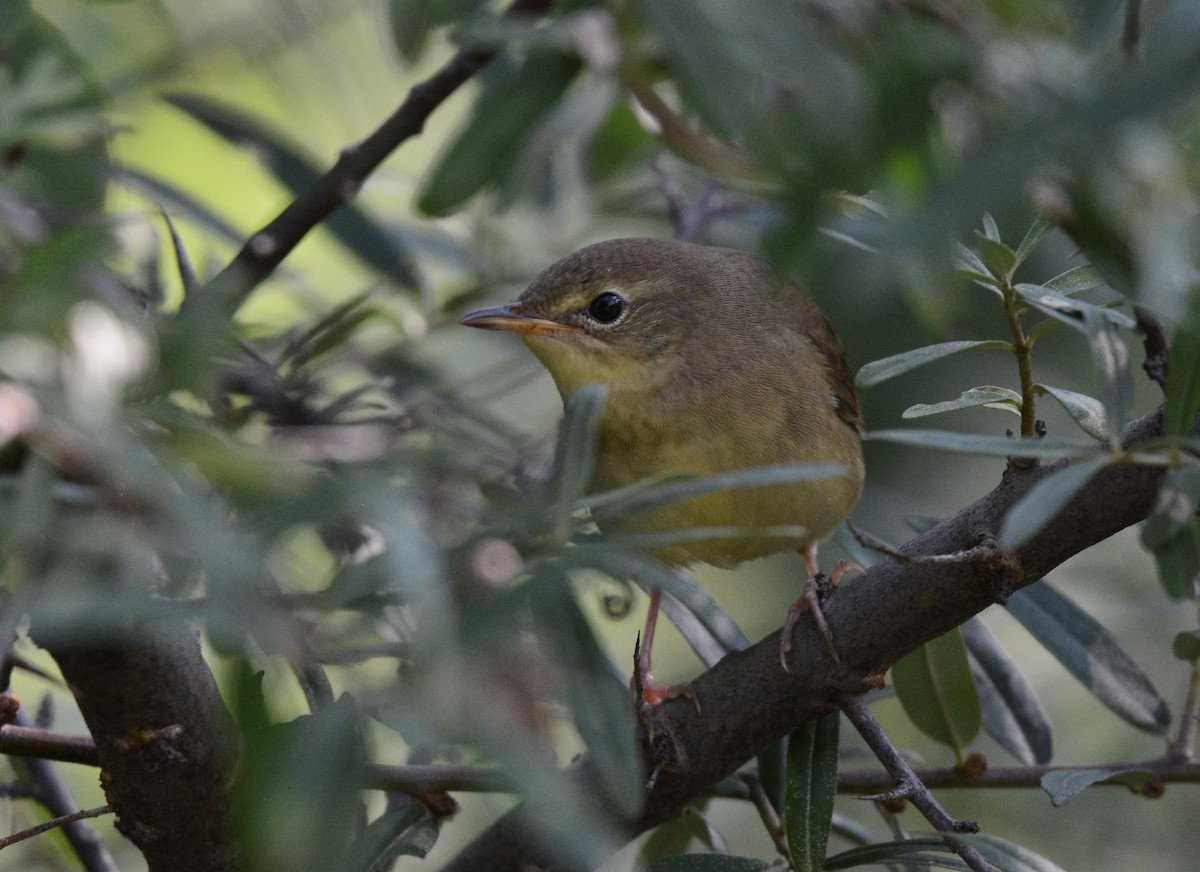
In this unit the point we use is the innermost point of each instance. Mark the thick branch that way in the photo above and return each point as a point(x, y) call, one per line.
point(748, 701)
point(164, 741)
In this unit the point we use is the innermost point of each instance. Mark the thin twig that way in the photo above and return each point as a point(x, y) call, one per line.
point(418, 780)
point(908, 785)
point(57, 822)
point(767, 813)
point(985, 552)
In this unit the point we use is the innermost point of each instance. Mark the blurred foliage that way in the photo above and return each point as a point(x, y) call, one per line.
point(357, 503)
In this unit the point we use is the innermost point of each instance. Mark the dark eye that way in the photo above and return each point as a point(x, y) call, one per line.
point(606, 308)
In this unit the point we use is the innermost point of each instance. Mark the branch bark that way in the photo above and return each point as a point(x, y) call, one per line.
point(748, 701)
point(166, 745)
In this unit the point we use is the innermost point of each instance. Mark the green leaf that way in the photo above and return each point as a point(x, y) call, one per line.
point(1033, 237)
point(889, 367)
point(1076, 280)
point(993, 397)
point(1183, 377)
point(937, 691)
point(1012, 713)
point(1112, 364)
point(405, 829)
point(968, 264)
point(505, 116)
point(997, 446)
point(1172, 533)
point(599, 704)
point(1009, 857)
point(707, 863)
point(772, 772)
point(660, 491)
point(990, 230)
point(1045, 500)
point(575, 453)
point(1067, 310)
point(922, 851)
point(1000, 259)
point(378, 248)
point(812, 762)
point(1066, 784)
point(1087, 412)
point(1090, 654)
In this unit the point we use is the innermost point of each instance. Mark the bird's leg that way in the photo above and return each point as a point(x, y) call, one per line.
point(810, 601)
point(652, 694)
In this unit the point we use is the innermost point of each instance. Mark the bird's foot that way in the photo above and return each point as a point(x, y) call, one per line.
point(818, 587)
point(647, 693)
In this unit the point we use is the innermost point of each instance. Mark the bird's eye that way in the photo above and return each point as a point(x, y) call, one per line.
point(607, 307)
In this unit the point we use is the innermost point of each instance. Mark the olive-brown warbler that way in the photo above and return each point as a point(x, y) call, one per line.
point(712, 364)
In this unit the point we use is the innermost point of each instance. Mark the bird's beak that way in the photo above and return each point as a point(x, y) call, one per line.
point(511, 316)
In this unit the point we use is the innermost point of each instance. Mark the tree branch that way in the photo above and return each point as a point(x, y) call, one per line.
point(164, 741)
point(894, 608)
point(267, 248)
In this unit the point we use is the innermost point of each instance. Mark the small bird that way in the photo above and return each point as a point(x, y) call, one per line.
point(712, 364)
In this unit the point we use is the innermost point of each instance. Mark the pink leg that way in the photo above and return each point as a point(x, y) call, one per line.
point(653, 694)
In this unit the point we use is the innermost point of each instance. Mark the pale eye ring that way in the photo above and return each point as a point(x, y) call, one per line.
point(606, 308)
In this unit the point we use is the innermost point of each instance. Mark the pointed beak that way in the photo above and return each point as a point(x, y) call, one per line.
point(511, 316)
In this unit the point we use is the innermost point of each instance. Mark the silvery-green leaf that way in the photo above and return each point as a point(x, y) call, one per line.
point(999, 446)
point(889, 367)
point(1087, 412)
point(993, 397)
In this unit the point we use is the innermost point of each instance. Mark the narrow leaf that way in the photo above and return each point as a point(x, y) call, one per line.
point(1033, 237)
point(1009, 857)
point(889, 367)
point(1090, 654)
point(1112, 364)
point(575, 454)
point(1076, 280)
point(994, 397)
point(183, 263)
point(913, 850)
point(1172, 533)
point(997, 446)
point(1001, 259)
point(812, 762)
point(599, 704)
point(968, 263)
point(505, 116)
point(990, 230)
point(1068, 310)
point(1183, 377)
point(937, 691)
point(655, 493)
point(1043, 503)
point(1087, 412)
point(1012, 713)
